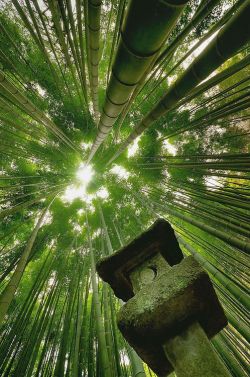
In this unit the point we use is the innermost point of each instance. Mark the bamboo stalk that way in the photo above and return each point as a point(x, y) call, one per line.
point(144, 31)
point(227, 42)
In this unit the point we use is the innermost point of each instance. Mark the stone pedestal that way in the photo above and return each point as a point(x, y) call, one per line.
point(192, 355)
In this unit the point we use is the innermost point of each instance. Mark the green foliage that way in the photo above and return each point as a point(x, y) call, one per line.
point(191, 167)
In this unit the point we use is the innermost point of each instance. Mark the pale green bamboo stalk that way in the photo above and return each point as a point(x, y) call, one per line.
point(94, 13)
point(10, 290)
point(136, 363)
point(80, 313)
point(236, 355)
point(53, 6)
point(135, 55)
point(108, 332)
point(226, 283)
point(81, 43)
point(224, 236)
point(76, 43)
point(32, 110)
point(35, 2)
point(37, 37)
point(170, 49)
point(106, 367)
point(226, 43)
point(227, 357)
point(108, 241)
point(73, 46)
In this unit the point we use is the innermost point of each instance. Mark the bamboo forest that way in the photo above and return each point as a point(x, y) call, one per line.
point(113, 114)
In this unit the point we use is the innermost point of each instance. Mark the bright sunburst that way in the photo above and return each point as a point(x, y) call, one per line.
point(84, 174)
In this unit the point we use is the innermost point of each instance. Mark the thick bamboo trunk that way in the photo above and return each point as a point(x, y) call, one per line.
point(227, 42)
point(94, 13)
point(147, 25)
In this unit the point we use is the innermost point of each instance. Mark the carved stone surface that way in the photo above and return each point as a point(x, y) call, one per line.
point(115, 270)
point(178, 298)
point(192, 355)
point(166, 295)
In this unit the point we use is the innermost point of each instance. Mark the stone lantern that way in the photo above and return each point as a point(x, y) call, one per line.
point(171, 308)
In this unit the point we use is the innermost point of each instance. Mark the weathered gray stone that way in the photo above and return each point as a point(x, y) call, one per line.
point(154, 356)
point(115, 270)
point(192, 355)
point(150, 270)
point(168, 299)
point(176, 299)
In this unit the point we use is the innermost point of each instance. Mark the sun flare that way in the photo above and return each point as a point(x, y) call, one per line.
point(84, 174)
